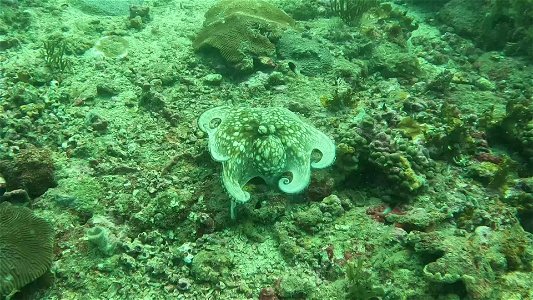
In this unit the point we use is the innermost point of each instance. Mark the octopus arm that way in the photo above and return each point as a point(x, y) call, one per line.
point(301, 174)
point(326, 146)
point(210, 122)
point(234, 179)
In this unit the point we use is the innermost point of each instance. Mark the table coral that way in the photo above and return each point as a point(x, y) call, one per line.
point(266, 143)
point(242, 30)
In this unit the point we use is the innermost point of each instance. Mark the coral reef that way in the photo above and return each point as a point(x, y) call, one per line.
point(139, 16)
point(26, 244)
point(392, 61)
point(209, 266)
point(386, 156)
point(369, 147)
point(242, 30)
point(252, 142)
point(516, 130)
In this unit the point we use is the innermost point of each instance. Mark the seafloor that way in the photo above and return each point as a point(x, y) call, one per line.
point(430, 195)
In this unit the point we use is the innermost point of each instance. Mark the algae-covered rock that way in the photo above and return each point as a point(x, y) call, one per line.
point(393, 61)
point(78, 194)
point(464, 16)
point(455, 258)
point(484, 171)
point(310, 57)
point(241, 30)
point(297, 286)
point(493, 25)
point(33, 170)
point(106, 8)
point(211, 266)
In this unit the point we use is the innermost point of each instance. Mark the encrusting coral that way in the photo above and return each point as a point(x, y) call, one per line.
point(242, 30)
point(266, 143)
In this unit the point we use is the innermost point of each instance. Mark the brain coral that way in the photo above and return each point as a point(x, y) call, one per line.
point(26, 244)
point(266, 143)
point(241, 30)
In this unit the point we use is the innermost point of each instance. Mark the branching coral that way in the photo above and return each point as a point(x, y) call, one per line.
point(55, 57)
point(351, 11)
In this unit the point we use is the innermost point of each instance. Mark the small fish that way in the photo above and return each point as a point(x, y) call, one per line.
point(2, 185)
point(292, 66)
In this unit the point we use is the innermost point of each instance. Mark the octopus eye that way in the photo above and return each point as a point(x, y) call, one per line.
point(215, 123)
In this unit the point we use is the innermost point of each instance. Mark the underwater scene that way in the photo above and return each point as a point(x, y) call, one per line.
point(266, 149)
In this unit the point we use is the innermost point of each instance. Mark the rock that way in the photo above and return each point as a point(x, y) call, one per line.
point(465, 17)
point(106, 8)
point(310, 57)
point(212, 79)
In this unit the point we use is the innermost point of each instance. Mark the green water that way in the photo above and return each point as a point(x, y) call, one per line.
point(281, 149)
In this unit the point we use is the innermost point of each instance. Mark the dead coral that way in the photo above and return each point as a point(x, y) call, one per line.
point(242, 30)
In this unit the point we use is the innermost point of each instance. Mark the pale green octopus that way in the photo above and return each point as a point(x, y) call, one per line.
point(264, 142)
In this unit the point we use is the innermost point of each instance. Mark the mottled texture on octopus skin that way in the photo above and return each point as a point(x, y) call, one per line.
point(266, 143)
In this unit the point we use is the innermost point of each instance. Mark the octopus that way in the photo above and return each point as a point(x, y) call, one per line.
point(271, 143)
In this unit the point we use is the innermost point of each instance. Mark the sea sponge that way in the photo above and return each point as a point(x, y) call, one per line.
point(26, 244)
point(241, 30)
point(101, 238)
point(112, 46)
